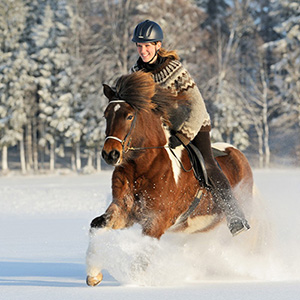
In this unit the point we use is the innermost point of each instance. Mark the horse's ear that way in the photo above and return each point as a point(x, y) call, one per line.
point(108, 91)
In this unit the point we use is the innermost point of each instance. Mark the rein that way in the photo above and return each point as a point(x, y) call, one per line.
point(123, 142)
point(134, 148)
point(146, 148)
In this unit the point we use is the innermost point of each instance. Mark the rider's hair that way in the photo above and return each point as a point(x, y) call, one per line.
point(168, 53)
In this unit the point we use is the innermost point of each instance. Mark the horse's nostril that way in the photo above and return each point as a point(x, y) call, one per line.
point(104, 155)
point(114, 155)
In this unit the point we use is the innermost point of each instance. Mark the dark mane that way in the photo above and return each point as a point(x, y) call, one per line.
point(140, 91)
point(137, 89)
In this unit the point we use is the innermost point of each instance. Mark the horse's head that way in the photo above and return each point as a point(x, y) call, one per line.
point(120, 120)
point(131, 96)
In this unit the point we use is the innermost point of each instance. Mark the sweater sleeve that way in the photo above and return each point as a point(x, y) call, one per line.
point(198, 115)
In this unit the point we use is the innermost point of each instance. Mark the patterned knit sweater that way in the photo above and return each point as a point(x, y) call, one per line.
point(172, 75)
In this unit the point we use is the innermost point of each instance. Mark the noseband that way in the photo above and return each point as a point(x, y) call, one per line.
point(123, 142)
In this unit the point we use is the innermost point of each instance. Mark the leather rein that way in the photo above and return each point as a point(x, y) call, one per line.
point(127, 137)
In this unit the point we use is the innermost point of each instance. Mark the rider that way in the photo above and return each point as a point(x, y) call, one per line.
point(195, 126)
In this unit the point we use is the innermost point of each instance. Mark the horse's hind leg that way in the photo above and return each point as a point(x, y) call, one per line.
point(93, 267)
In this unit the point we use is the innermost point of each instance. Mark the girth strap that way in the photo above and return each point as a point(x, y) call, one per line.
point(191, 208)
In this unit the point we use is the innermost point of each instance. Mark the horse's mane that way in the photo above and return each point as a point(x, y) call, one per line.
point(141, 92)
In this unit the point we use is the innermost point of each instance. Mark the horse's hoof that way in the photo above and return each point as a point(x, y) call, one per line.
point(94, 280)
point(99, 222)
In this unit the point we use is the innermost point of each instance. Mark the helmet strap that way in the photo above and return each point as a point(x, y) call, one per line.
point(155, 54)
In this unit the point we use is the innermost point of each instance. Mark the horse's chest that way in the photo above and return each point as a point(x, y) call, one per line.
point(151, 199)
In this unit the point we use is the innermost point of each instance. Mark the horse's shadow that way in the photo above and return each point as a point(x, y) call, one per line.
point(46, 274)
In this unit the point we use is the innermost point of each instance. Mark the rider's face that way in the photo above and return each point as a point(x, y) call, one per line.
point(147, 51)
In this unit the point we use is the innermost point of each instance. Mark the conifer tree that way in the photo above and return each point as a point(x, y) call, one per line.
point(16, 81)
point(286, 69)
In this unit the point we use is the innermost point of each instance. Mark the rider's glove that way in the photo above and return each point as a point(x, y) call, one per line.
point(174, 141)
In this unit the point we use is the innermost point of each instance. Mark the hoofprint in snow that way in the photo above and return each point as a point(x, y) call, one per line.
point(44, 237)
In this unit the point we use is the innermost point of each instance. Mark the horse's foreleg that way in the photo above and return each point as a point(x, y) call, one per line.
point(115, 217)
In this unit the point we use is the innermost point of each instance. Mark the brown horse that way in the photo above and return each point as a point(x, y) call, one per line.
point(153, 185)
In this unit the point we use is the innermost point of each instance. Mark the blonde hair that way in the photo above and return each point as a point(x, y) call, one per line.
point(172, 54)
point(168, 53)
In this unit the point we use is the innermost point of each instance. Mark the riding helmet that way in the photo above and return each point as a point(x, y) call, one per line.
point(147, 31)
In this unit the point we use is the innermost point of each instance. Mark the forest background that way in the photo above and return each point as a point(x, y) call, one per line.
point(55, 55)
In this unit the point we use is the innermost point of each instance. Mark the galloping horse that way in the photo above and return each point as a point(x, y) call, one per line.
point(153, 185)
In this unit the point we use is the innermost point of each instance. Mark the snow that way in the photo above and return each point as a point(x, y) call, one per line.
point(44, 223)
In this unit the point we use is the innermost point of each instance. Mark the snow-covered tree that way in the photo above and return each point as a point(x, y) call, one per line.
point(17, 84)
point(223, 90)
point(55, 77)
point(86, 87)
point(55, 55)
point(286, 69)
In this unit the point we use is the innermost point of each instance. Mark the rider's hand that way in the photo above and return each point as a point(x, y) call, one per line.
point(174, 141)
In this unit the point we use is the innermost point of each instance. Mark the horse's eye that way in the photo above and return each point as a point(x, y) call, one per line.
point(130, 117)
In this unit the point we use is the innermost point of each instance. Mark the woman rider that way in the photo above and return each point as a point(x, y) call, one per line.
point(169, 73)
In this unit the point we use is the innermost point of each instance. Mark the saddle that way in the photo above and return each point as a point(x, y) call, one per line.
point(198, 162)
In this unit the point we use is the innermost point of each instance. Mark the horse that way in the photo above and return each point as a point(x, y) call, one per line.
point(152, 184)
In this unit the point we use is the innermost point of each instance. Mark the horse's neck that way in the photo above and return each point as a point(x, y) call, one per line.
point(149, 133)
point(151, 130)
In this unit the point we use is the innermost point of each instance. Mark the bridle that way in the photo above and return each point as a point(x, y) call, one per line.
point(128, 135)
point(128, 148)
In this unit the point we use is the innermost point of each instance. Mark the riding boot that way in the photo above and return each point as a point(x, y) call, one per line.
point(224, 198)
point(220, 186)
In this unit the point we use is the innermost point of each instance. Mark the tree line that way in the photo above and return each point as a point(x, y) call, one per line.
point(56, 54)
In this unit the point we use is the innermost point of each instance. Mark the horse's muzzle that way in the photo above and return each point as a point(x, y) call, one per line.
point(112, 158)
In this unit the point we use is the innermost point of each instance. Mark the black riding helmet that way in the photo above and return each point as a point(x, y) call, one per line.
point(147, 31)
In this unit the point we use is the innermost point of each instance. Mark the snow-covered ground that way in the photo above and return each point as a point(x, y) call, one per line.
point(44, 224)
